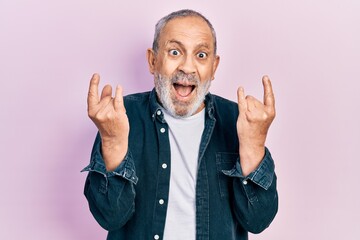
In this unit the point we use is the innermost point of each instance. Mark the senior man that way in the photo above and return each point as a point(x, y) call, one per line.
point(179, 162)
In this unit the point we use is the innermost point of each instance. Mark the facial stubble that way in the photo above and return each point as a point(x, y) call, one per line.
point(176, 108)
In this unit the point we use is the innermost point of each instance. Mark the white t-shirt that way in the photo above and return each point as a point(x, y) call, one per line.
point(184, 136)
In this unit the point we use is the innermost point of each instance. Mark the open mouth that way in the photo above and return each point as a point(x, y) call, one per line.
point(184, 90)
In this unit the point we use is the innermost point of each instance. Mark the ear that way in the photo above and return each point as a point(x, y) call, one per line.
point(151, 58)
point(215, 65)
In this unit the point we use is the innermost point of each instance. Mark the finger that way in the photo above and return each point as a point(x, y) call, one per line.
point(241, 100)
point(93, 96)
point(119, 100)
point(107, 91)
point(269, 99)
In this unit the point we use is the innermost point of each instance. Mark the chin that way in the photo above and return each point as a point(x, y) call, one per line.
point(184, 110)
point(183, 113)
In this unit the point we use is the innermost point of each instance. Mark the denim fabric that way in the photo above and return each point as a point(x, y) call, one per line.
point(126, 202)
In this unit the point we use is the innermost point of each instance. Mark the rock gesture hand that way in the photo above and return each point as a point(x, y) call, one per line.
point(109, 115)
point(255, 118)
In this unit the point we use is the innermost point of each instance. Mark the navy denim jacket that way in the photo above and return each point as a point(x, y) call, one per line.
point(126, 202)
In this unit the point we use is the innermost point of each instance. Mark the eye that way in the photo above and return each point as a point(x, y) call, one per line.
point(174, 52)
point(202, 55)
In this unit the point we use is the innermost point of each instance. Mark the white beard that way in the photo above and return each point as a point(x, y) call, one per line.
point(164, 85)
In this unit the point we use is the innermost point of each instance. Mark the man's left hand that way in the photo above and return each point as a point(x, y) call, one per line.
point(255, 118)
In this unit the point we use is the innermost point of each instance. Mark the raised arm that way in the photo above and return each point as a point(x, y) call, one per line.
point(109, 189)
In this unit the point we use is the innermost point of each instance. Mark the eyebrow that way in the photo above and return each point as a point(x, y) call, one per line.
point(201, 45)
point(176, 42)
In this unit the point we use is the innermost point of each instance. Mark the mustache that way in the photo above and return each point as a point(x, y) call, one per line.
point(183, 77)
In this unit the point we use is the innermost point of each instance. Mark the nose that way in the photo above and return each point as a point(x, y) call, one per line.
point(187, 65)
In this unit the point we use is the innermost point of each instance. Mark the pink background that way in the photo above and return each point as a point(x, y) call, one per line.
point(49, 50)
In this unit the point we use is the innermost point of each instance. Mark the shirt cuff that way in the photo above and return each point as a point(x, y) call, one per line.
point(126, 169)
point(262, 176)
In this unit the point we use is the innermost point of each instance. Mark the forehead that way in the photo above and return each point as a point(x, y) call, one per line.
point(187, 29)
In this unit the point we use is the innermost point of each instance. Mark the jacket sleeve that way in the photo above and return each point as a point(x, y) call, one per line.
point(111, 195)
point(255, 200)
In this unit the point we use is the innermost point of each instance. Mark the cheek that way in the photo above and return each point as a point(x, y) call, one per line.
point(167, 67)
point(206, 72)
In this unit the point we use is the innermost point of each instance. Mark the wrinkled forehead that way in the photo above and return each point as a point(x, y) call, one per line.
point(187, 28)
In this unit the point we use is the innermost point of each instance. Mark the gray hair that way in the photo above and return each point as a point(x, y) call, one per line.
point(178, 14)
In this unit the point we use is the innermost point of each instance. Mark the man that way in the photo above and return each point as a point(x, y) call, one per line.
point(178, 162)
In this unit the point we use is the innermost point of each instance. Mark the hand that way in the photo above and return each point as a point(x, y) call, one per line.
point(109, 116)
point(253, 124)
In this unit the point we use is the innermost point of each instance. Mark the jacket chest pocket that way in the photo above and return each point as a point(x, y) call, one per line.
point(225, 161)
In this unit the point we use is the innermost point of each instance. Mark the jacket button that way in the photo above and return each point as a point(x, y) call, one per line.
point(162, 130)
point(164, 165)
point(156, 237)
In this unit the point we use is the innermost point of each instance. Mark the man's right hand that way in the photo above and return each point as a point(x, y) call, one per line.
point(109, 116)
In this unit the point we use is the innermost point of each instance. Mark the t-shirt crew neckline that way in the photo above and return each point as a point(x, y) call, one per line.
point(181, 119)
